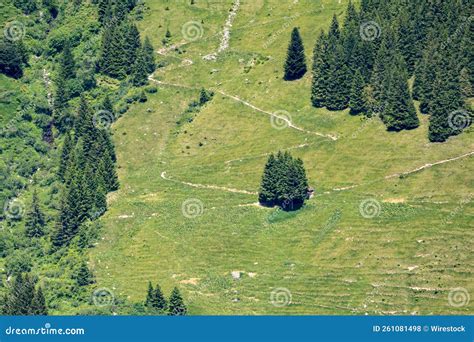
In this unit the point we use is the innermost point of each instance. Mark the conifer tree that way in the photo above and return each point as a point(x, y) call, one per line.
point(176, 304)
point(149, 56)
point(139, 76)
point(35, 221)
point(267, 194)
point(284, 182)
point(150, 296)
point(83, 276)
point(447, 101)
point(295, 65)
point(67, 66)
point(18, 300)
point(399, 112)
point(159, 299)
point(38, 304)
point(110, 174)
point(320, 72)
point(65, 154)
point(357, 101)
point(132, 44)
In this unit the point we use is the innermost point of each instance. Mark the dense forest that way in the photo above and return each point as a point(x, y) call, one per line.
point(74, 61)
point(390, 52)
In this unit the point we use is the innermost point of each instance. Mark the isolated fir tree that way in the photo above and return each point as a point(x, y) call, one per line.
point(35, 221)
point(176, 305)
point(149, 56)
point(357, 101)
point(295, 65)
point(38, 304)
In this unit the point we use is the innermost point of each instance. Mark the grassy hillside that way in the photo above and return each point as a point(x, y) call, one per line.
point(328, 258)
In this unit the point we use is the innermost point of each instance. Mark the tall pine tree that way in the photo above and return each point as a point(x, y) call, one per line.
point(295, 65)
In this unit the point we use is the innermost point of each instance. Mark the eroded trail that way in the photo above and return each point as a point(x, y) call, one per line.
point(287, 122)
point(205, 186)
point(216, 187)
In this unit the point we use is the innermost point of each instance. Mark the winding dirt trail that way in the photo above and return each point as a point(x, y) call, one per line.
point(248, 104)
point(215, 187)
point(203, 186)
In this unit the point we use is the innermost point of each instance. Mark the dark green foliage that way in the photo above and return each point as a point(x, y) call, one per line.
point(149, 56)
point(22, 298)
point(38, 304)
point(139, 76)
point(320, 72)
point(34, 221)
point(83, 276)
point(67, 66)
point(398, 111)
point(13, 58)
point(155, 300)
point(27, 6)
point(205, 96)
point(133, 44)
point(176, 305)
point(65, 153)
point(284, 182)
point(357, 101)
point(295, 65)
point(448, 115)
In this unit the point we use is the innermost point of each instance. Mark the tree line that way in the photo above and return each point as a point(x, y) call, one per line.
point(366, 64)
point(156, 302)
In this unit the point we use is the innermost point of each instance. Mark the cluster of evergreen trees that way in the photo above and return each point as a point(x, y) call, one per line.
point(87, 170)
point(156, 301)
point(13, 57)
point(24, 298)
point(122, 52)
point(284, 182)
point(430, 40)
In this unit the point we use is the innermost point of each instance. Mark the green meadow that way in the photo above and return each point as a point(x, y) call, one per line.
point(376, 238)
